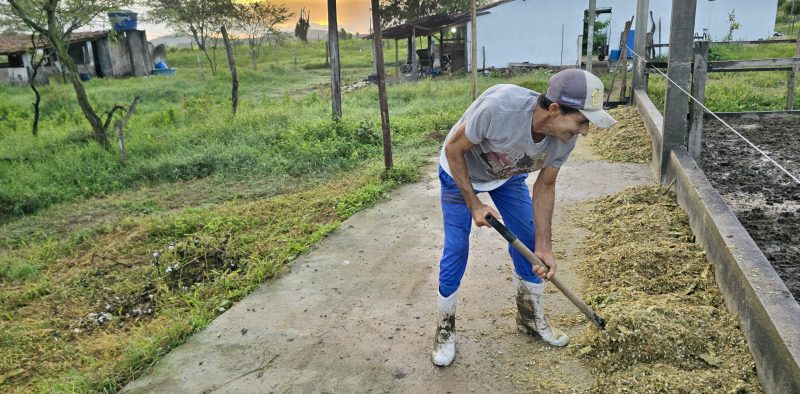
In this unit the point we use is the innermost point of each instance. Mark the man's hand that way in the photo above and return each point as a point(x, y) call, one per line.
point(479, 213)
point(550, 261)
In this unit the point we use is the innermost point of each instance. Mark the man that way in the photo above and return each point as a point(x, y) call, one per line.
point(506, 133)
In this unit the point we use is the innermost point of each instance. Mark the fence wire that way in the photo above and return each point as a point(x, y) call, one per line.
point(795, 178)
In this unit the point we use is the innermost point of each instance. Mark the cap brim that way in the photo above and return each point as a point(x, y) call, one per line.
point(599, 118)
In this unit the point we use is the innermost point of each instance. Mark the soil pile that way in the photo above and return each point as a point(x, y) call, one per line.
point(765, 199)
point(668, 329)
point(626, 142)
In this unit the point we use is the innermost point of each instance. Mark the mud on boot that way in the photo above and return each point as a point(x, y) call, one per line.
point(444, 345)
point(530, 313)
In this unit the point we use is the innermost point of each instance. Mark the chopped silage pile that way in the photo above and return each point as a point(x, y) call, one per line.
point(667, 327)
point(627, 141)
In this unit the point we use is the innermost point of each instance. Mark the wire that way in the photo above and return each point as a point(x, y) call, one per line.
point(797, 180)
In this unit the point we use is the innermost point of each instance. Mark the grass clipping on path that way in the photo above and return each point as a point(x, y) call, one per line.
point(668, 329)
point(626, 142)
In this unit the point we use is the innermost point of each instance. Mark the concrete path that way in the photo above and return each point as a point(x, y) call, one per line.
point(356, 314)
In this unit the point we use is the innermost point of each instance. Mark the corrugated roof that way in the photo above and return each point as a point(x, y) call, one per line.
point(431, 24)
point(22, 43)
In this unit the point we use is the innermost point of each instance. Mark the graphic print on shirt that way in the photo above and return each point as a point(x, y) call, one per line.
point(507, 164)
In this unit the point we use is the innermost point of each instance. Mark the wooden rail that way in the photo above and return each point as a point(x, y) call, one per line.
point(700, 69)
point(746, 42)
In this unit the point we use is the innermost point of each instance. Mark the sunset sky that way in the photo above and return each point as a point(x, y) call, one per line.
point(353, 16)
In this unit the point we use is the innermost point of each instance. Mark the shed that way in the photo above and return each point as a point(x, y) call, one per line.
point(96, 53)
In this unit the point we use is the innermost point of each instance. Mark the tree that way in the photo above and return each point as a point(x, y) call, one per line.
point(301, 28)
point(37, 59)
point(55, 21)
point(733, 25)
point(200, 18)
point(599, 37)
point(344, 35)
point(10, 25)
point(394, 12)
point(257, 20)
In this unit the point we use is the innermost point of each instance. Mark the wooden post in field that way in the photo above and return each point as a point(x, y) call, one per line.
point(120, 125)
point(430, 52)
point(473, 10)
point(200, 66)
point(793, 77)
point(640, 45)
point(396, 60)
point(377, 41)
point(333, 43)
point(590, 35)
point(232, 66)
point(412, 51)
point(676, 104)
point(699, 78)
point(623, 58)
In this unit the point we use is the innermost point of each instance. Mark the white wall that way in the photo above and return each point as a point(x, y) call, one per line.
point(531, 30)
point(757, 18)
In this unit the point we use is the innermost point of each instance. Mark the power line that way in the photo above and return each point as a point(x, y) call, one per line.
point(795, 178)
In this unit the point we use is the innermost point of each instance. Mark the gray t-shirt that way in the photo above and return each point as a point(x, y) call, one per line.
point(499, 124)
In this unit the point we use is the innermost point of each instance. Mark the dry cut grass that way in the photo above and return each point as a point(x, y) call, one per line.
point(626, 142)
point(668, 329)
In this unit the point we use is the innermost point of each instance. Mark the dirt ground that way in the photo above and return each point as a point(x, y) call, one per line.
point(357, 313)
point(766, 200)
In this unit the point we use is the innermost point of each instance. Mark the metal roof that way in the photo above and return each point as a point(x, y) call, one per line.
point(428, 25)
point(16, 44)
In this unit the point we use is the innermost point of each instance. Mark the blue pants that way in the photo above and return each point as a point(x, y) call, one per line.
point(514, 203)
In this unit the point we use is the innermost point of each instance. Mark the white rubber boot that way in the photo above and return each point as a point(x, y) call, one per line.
point(444, 345)
point(530, 313)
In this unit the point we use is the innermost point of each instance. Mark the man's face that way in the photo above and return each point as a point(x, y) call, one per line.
point(564, 127)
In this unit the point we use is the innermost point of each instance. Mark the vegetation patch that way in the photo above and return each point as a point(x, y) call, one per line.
point(81, 323)
point(667, 326)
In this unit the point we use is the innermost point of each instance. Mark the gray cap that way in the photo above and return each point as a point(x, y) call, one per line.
point(582, 90)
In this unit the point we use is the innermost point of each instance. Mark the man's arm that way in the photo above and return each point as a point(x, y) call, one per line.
point(544, 195)
point(455, 149)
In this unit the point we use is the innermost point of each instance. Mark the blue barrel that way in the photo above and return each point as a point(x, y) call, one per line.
point(122, 20)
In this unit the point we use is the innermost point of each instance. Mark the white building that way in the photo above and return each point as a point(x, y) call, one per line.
point(546, 32)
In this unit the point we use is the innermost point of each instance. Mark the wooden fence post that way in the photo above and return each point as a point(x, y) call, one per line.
point(589, 35)
point(412, 51)
point(793, 78)
point(333, 43)
point(681, 37)
point(377, 40)
point(474, 48)
point(396, 60)
point(699, 78)
point(623, 57)
point(232, 67)
point(640, 46)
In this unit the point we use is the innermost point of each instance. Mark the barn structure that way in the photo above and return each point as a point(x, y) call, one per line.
point(549, 32)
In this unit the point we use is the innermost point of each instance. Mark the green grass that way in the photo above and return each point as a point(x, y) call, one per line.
point(229, 201)
point(741, 91)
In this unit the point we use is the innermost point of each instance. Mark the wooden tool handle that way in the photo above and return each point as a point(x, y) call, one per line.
point(533, 259)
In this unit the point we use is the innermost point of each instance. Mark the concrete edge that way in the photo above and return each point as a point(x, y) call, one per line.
point(770, 317)
point(653, 122)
